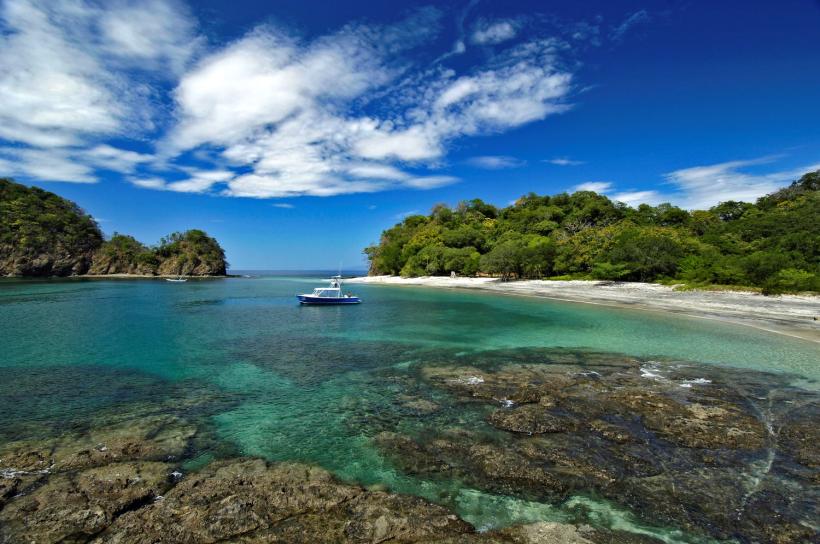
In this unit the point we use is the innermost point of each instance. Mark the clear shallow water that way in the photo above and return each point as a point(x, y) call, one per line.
point(311, 383)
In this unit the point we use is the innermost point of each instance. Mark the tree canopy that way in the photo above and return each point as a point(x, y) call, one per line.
point(773, 244)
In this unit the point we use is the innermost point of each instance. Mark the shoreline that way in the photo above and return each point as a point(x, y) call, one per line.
point(797, 316)
point(120, 276)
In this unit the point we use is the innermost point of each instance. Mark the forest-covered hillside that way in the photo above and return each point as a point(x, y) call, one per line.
point(43, 234)
point(773, 244)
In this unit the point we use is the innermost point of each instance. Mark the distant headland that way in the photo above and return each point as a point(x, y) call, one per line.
point(43, 234)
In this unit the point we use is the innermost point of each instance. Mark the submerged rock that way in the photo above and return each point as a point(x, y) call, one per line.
point(716, 452)
point(530, 419)
point(155, 437)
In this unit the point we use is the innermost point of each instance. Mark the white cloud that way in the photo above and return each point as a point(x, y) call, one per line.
point(46, 165)
point(199, 180)
point(633, 198)
point(704, 186)
point(564, 161)
point(412, 144)
point(150, 33)
point(596, 186)
point(266, 116)
point(148, 183)
point(495, 162)
point(283, 108)
point(376, 171)
point(61, 67)
point(494, 32)
point(431, 182)
point(283, 205)
point(116, 159)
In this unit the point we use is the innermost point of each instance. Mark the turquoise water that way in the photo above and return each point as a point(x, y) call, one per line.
point(308, 383)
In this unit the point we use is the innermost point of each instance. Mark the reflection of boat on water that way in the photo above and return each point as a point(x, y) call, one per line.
point(329, 295)
point(178, 279)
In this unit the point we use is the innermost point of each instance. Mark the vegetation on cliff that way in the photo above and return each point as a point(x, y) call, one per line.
point(190, 253)
point(773, 244)
point(42, 234)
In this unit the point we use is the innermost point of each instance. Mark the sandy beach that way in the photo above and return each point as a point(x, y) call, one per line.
point(793, 315)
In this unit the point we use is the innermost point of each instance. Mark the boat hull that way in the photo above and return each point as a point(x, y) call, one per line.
point(308, 299)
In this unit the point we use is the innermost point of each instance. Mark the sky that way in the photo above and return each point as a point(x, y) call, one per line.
point(296, 131)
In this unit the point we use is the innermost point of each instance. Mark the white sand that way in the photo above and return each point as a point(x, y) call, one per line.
point(794, 315)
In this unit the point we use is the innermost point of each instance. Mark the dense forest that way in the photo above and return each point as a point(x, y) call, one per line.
point(773, 244)
point(42, 234)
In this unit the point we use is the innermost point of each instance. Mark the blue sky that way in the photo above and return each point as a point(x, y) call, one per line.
point(296, 131)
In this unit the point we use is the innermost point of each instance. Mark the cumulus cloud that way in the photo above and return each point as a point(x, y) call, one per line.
point(66, 79)
point(493, 32)
point(291, 111)
point(495, 162)
point(268, 115)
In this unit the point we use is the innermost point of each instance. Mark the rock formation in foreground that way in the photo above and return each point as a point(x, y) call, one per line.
point(714, 453)
point(120, 483)
point(42, 234)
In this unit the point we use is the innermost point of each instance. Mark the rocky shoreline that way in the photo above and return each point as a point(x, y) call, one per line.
point(713, 453)
point(124, 483)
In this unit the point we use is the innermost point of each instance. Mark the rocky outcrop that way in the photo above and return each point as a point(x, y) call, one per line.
point(124, 255)
point(73, 507)
point(120, 482)
point(191, 253)
point(716, 452)
point(42, 234)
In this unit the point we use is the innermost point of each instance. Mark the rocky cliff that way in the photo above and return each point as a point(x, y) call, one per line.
point(123, 254)
point(191, 253)
point(42, 234)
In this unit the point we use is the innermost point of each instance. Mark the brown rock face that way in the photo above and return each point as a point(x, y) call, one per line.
point(73, 507)
point(104, 264)
point(252, 501)
point(63, 493)
point(191, 267)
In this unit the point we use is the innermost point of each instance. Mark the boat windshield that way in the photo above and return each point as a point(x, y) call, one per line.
point(327, 292)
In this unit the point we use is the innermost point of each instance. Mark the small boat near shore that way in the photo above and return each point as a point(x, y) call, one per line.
point(329, 295)
point(178, 279)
